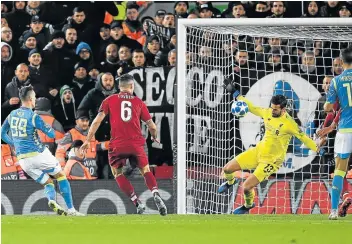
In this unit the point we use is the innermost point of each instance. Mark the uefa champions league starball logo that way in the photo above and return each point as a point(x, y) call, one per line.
point(302, 102)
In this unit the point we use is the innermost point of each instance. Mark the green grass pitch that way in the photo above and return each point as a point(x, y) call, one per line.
point(193, 229)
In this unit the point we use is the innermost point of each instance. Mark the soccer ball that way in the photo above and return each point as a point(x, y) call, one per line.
point(239, 109)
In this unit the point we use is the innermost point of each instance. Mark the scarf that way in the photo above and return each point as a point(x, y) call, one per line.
point(108, 93)
point(32, 11)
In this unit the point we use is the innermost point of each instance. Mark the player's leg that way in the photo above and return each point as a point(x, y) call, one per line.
point(346, 197)
point(126, 187)
point(150, 181)
point(245, 160)
point(261, 173)
point(343, 149)
point(30, 166)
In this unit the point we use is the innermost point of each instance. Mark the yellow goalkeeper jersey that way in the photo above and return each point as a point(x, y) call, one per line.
point(278, 133)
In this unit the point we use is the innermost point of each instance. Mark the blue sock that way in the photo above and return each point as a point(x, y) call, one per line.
point(65, 189)
point(49, 191)
point(337, 184)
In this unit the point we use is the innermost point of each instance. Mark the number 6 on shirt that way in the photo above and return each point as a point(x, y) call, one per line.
point(126, 111)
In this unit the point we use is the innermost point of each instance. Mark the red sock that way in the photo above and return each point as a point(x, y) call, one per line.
point(151, 182)
point(345, 186)
point(126, 186)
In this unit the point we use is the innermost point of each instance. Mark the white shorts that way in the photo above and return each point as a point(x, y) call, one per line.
point(38, 167)
point(343, 145)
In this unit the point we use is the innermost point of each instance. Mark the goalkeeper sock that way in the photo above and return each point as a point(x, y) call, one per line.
point(337, 184)
point(49, 191)
point(65, 189)
point(127, 188)
point(249, 198)
point(230, 178)
point(151, 182)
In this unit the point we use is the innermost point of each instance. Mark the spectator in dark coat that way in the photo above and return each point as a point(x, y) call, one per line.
point(33, 8)
point(7, 70)
point(161, 58)
point(345, 10)
point(29, 43)
point(7, 36)
point(85, 31)
point(216, 13)
point(85, 55)
point(330, 9)
point(18, 19)
point(110, 64)
point(120, 39)
point(65, 111)
point(261, 10)
point(42, 76)
point(159, 16)
point(11, 97)
point(4, 22)
point(104, 87)
point(81, 83)
point(60, 60)
point(95, 11)
point(40, 33)
point(151, 49)
point(55, 12)
point(71, 41)
point(105, 40)
point(181, 9)
point(311, 9)
point(125, 60)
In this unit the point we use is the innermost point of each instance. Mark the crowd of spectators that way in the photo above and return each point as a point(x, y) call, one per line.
point(73, 52)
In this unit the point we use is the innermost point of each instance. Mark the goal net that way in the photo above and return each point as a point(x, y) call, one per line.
point(293, 57)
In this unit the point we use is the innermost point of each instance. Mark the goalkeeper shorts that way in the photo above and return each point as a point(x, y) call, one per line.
point(250, 160)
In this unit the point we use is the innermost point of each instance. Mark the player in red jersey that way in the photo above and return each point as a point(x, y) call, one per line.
point(127, 142)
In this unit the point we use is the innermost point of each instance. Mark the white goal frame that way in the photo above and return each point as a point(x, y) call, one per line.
point(182, 25)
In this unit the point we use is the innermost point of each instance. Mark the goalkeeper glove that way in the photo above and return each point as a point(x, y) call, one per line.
point(231, 87)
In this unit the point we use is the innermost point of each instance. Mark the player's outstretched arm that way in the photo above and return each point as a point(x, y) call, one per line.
point(4, 130)
point(232, 87)
point(92, 130)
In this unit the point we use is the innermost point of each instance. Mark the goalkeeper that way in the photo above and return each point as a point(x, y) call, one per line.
point(269, 154)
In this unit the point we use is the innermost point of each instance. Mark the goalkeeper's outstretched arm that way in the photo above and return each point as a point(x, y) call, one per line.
point(232, 88)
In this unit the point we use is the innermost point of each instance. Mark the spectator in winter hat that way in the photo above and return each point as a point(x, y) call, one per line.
point(181, 9)
point(120, 39)
point(330, 9)
point(41, 34)
point(278, 9)
point(85, 54)
point(159, 16)
point(81, 83)
point(216, 12)
point(94, 72)
point(205, 11)
point(29, 43)
point(65, 111)
point(169, 20)
point(312, 9)
point(110, 64)
point(238, 10)
point(345, 11)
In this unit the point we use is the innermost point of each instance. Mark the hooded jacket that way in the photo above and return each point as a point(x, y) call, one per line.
point(89, 63)
point(18, 20)
point(91, 103)
point(7, 71)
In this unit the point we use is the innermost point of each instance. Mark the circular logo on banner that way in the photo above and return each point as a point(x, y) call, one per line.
point(302, 102)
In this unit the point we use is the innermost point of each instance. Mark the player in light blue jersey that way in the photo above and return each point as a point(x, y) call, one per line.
point(341, 89)
point(35, 159)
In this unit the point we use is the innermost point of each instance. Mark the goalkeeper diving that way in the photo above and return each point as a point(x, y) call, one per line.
point(269, 154)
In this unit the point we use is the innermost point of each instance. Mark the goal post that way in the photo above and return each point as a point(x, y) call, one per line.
point(208, 135)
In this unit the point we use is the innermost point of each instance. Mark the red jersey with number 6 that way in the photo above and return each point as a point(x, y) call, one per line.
point(125, 111)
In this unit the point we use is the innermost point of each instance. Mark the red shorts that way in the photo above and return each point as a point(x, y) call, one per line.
point(119, 154)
